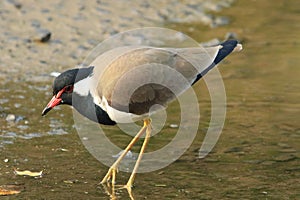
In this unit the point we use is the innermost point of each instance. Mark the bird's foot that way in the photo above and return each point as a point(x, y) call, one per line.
point(128, 187)
point(111, 190)
point(110, 175)
point(129, 184)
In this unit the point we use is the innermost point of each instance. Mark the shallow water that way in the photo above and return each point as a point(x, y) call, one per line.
point(257, 156)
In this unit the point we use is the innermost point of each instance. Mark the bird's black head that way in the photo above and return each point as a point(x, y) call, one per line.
point(63, 87)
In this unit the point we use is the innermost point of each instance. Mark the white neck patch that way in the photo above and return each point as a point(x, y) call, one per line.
point(82, 87)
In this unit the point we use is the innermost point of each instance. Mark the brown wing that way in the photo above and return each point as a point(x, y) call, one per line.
point(139, 78)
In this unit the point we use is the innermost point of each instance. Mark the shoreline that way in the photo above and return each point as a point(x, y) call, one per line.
point(77, 27)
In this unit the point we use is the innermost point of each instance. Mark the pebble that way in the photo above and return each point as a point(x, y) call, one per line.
point(23, 127)
point(63, 150)
point(9, 135)
point(71, 181)
point(173, 125)
point(46, 37)
point(43, 35)
point(55, 74)
point(17, 105)
point(19, 118)
point(30, 136)
point(7, 142)
point(10, 118)
point(57, 131)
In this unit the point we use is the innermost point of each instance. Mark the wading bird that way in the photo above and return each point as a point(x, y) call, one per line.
point(116, 93)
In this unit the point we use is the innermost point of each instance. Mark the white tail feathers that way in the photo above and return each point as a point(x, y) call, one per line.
point(238, 48)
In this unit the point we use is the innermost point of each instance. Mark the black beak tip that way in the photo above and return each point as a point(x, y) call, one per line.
point(46, 110)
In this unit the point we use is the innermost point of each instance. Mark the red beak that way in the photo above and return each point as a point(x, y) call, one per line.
point(52, 103)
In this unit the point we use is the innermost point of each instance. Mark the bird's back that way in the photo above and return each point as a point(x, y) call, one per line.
point(138, 78)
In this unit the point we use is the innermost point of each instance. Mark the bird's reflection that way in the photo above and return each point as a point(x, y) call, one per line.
point(110, 190)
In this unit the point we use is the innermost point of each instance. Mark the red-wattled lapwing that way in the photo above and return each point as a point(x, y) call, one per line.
point(94, 90)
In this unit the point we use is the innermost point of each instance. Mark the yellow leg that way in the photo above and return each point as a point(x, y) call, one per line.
point(110, 192)
point(111, 174)
point(146, 140)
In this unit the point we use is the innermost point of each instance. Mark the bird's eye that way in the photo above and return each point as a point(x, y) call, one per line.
point(69, 88)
